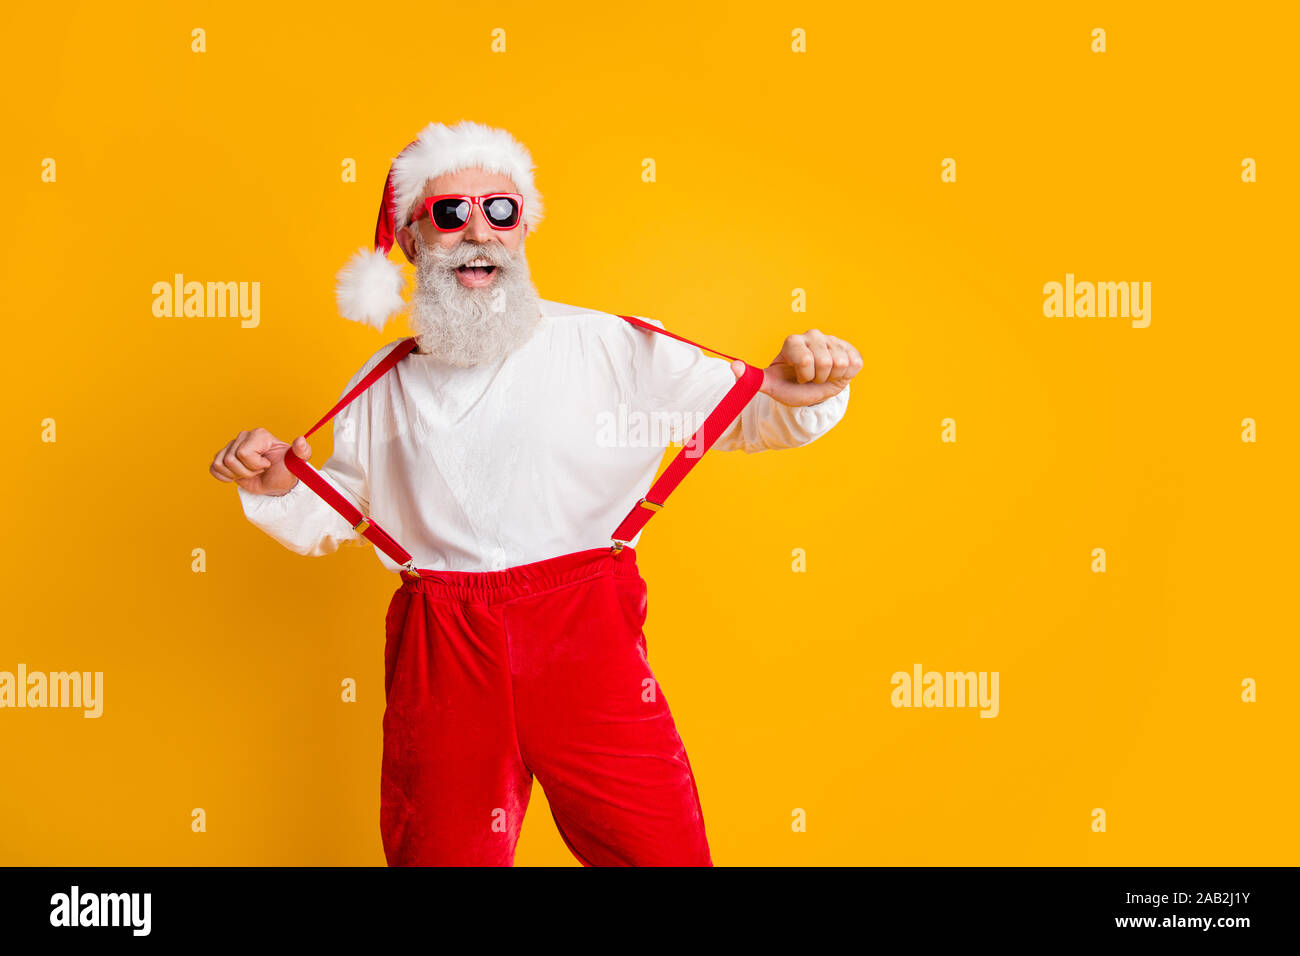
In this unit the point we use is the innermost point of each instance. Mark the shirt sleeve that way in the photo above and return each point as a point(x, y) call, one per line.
point(300, 519)
point(679, 379)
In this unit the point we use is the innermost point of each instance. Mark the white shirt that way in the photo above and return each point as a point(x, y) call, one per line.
point(537, 454)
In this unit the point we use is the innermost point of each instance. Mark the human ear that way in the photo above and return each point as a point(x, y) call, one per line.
point(406, 239)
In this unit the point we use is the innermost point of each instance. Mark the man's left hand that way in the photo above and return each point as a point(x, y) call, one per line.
point(811, 367)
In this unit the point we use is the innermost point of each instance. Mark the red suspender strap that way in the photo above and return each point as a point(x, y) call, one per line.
point(715, 424)
point(367, 528)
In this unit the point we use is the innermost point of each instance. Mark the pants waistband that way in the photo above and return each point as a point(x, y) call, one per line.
point(493, 587)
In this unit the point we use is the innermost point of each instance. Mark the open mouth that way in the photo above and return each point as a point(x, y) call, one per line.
point(478, 271)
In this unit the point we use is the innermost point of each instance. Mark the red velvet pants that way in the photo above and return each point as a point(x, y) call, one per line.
point(494, 677)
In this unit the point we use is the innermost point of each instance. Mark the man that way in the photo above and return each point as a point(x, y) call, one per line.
point(501, 453)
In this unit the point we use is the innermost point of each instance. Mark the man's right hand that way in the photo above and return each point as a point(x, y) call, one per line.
point(255, 461)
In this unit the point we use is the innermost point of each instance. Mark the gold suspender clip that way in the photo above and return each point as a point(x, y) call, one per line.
point(644, 503)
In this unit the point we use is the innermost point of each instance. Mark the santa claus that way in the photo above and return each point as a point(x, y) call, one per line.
point(514, 642)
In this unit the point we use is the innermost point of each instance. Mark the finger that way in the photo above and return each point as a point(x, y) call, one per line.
point(823, 360)
point(231, 459)
point(848, 361)
point(855, 360)
point(301, 448)
point(800, 357)
point(841, 360)
point(250, 454)
point(218, 468)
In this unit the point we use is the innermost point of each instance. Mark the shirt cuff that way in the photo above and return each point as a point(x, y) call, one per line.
point(818, 418)
point(269, 507)
point(768, 425)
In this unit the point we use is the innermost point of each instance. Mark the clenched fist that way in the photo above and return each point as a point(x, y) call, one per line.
point(810, 368)
point(255, 461)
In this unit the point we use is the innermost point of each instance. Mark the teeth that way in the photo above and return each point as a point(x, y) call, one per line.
point(478, 262)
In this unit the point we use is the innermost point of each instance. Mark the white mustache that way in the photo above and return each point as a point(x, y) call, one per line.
point(465, 253)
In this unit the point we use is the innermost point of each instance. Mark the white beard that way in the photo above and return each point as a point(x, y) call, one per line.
point(465, 327)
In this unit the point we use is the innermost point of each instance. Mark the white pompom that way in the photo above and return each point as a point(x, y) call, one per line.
point(370, 288)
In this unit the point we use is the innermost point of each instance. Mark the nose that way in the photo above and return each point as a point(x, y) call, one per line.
point(477, 229)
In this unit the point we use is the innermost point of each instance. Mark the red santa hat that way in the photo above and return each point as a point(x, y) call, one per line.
point(370, 285)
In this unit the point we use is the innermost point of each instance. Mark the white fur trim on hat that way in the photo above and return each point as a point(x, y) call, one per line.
point(443, 149)
point(370, 288)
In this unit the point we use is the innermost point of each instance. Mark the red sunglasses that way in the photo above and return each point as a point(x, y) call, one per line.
point(450, 213)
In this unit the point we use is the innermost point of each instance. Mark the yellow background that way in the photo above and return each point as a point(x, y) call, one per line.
point(776, 171)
